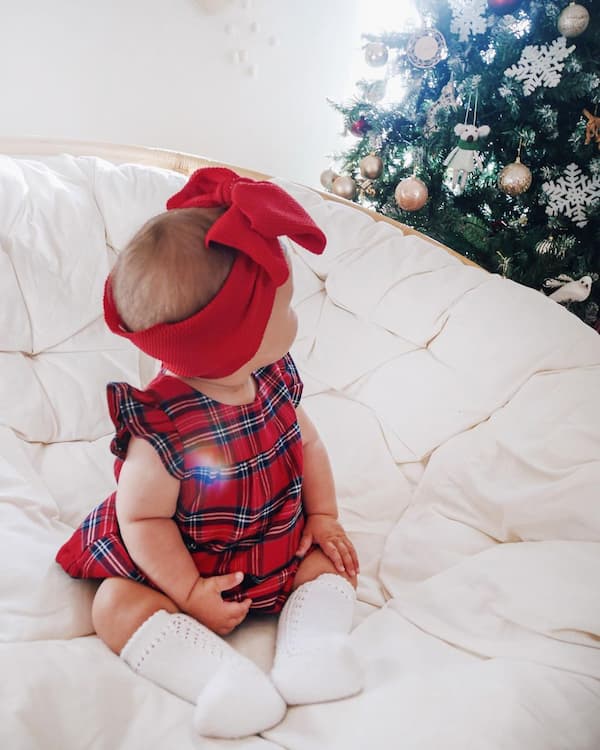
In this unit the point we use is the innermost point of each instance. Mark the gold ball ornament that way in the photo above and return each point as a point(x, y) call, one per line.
point(515, 178)
point(371, 166)
point(573, 20)
point(545, 246)
point(327, 178)
point(411, 194)
point(344, 186)
point(551, 246)
point(376, 54)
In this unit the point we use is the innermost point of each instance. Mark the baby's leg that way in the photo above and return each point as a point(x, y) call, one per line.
point(233, 697)
point(121, 606)
point(314, 660)
point(317, 563)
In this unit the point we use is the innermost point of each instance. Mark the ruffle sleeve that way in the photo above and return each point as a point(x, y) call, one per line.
point(136, 412)
point(291, 378)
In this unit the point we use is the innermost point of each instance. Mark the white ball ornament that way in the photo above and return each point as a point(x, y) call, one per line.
point(573, 20)
point(426, 48)
point(411, 194)
point(344, 186)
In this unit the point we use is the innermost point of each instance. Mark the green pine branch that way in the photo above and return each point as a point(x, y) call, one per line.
point(504, 234)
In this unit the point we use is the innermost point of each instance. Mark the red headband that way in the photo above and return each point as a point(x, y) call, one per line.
point(224, 335)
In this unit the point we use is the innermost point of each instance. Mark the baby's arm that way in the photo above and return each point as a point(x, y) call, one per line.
point(319, 501)
point(146, 503)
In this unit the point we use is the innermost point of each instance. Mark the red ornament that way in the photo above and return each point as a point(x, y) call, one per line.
point(360, 127)
point(498, 225)
point(502, 7)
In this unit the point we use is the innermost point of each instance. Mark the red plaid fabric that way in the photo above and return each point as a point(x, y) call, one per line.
point(240, 469)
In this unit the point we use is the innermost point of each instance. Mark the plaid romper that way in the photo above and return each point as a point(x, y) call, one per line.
point(240, 472)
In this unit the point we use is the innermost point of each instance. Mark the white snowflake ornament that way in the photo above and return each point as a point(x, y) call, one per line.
point(541, 65)
point(571, 194)
point(468, 18)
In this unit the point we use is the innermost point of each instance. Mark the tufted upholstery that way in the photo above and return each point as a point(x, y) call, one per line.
point(460, 410)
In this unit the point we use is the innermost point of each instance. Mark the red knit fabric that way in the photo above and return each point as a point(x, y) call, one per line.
point(224, 335)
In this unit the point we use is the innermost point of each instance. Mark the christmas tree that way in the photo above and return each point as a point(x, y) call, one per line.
point(493, 145)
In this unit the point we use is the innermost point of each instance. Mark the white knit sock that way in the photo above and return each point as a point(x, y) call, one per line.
point(314, 661)
point(233, 697)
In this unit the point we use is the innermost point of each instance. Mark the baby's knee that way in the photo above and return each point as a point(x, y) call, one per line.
point(352, 580)
point(112, 595)
point(121, 606)
point(315, 564)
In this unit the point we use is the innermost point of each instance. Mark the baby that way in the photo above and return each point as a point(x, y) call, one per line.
point(225, 499)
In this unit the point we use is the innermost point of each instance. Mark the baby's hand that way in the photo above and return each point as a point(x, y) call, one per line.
point(205, 604)
point(329, 534)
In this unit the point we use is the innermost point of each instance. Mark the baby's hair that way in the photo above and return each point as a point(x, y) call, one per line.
point(165, 273)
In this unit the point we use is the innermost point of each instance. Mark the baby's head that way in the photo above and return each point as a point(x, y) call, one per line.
point(165, 274)
point(210, 312)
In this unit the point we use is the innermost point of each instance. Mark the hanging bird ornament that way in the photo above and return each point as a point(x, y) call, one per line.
point(568, 289)
point(465, 157)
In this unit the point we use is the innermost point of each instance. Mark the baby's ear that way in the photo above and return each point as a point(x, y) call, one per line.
point(483, 131)
point(459, 129)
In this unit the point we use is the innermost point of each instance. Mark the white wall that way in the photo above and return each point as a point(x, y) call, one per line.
point(161, 73)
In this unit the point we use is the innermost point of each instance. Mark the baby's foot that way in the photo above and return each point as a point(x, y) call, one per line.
point(239, 700)
point(327, 672)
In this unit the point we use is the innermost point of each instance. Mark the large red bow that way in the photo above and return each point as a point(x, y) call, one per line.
point(226, 334)
point(258, 213)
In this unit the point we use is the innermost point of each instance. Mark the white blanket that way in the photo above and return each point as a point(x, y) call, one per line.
point(462, 415)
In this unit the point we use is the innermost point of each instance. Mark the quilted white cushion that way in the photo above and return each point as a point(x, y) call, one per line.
point(461, 412)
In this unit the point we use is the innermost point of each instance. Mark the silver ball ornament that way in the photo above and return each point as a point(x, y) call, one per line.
point(411, 194)
point(371, 166)
point(376, 54)
point(344, 186)
point(573, 20)
point(374, 91)
point(327, 178)
point(515, 178)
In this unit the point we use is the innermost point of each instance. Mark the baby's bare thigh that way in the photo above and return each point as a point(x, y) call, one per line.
point(121, 606)
point(314, 564)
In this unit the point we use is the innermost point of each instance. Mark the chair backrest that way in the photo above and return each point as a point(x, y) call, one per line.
point(175, 160)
